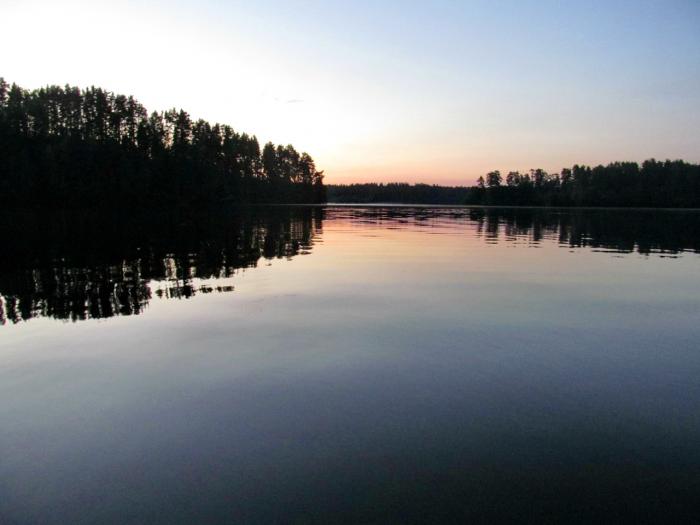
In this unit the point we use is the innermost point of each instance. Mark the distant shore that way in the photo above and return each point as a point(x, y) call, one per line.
point(653, 184)
point(485, 206)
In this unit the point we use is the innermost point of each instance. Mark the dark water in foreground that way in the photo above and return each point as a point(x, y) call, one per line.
point(383, 365)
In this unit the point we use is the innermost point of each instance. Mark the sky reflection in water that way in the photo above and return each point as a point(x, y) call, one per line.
point(361, 365)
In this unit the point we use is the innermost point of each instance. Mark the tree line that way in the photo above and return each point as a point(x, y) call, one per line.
point(396, 192)
point(69, 147)
point(655, 184)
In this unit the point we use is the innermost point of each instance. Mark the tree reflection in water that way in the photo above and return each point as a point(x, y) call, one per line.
point(75, 266)
point(70, 267)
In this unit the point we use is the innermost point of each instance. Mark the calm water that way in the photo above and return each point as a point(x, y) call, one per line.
point(374, 365)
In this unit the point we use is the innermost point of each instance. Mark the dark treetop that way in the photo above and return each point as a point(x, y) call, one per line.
point(67, 147)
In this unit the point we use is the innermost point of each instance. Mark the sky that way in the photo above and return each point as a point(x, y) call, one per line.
point(435, 91)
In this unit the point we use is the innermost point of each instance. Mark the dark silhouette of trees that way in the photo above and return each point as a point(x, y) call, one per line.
point(373, 193)
point(654, 184)
point(494, 179)
point(67, 147)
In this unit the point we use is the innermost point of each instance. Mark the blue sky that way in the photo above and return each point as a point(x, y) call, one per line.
point(420, 91)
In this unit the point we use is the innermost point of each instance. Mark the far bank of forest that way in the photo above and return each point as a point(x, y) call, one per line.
point(654, 184)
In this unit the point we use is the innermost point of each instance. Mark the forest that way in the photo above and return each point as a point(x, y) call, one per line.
point(396, 192)
point(654, 184)
point(70, 148)
point(67, 147)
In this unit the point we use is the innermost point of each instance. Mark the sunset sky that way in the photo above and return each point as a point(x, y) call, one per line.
point(438, 91)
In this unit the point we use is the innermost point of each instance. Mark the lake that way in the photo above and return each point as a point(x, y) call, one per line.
point(350, 365)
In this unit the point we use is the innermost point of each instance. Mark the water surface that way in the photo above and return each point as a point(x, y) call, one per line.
point(358, 365)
